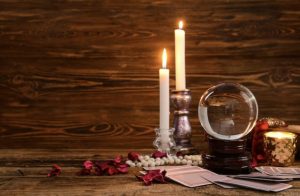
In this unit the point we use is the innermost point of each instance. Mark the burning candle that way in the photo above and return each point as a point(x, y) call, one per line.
point(280, 148)
point(180, 57)
point(164, 93)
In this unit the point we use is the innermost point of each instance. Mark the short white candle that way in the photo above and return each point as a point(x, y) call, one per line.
point(180, 57)
point(164, 95)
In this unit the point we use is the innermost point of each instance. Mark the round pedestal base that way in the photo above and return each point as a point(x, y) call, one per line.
point(238, 164)
point(227, 157)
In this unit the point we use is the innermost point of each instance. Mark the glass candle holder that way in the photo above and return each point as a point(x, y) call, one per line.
point(280, 148)
point(164, 140)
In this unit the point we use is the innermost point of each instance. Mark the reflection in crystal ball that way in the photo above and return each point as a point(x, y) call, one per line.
point(228, 111)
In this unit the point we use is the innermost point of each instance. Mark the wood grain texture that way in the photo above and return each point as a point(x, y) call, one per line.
point(84, 74)
point(120, 185)
point(33, 181)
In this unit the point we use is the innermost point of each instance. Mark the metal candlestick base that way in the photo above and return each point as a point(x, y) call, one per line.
point(183, 132)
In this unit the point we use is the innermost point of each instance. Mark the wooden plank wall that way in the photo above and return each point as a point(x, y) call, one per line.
point(84, 74)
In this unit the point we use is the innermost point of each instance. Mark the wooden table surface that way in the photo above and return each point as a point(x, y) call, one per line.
point(24, 172)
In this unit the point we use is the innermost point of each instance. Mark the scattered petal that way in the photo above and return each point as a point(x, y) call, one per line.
point(55, 171)
point(253, 163)
point(111, 167)
point(88, 165)
point(87, 168)
point(122, 168)
point(178, 154)
point(118, 159)
point(104, 166)
point(133, 156)
point(111, 170)
point(153, 176)
point(159, 154)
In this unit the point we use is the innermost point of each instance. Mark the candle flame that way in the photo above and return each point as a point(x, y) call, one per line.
point(164, 59)
point(180, 24)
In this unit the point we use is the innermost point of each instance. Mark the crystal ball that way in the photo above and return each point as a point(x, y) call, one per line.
point(228, 111)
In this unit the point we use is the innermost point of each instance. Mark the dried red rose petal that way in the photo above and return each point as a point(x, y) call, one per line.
point(153, 176)
point(87, 168)
point(161, 178)
point(179, 154)
point(84, 172)
point(55, 171)
point(101, 168)
point(159, 154)
point(88, 165)
point(111, 167)
point(122, 168)
point(111, 170)
point(133, 156)
point(98, 170)
point(253, 163)
point(118, 159)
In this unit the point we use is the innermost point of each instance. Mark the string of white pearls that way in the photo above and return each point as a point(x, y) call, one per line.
point(147, 161)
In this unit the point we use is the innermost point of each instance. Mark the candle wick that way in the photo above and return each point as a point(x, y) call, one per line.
point(180, 24)
point(164, 59)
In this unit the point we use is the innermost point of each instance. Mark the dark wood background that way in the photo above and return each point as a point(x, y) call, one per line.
point(84, 74)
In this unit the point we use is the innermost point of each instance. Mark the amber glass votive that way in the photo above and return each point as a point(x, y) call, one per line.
point(280, 148)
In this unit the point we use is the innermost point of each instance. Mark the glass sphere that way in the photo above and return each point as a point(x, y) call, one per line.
point(228, 111)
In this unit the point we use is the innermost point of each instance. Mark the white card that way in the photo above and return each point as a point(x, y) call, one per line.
point(190, 176)
point(279, 170)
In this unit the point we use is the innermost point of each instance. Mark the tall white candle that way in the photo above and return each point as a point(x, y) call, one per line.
point(180, 57)
point(164, 94)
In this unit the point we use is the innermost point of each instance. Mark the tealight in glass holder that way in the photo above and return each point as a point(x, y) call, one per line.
point(164, 141)
point(280, 148)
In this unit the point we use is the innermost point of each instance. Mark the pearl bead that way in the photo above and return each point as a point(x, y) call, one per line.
point(171, 161)
point(152, 164)
point(146, 157)
point(148, 161)
point(128, 162)
point(132, 165)
point(141, 158)
point(177, 161)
